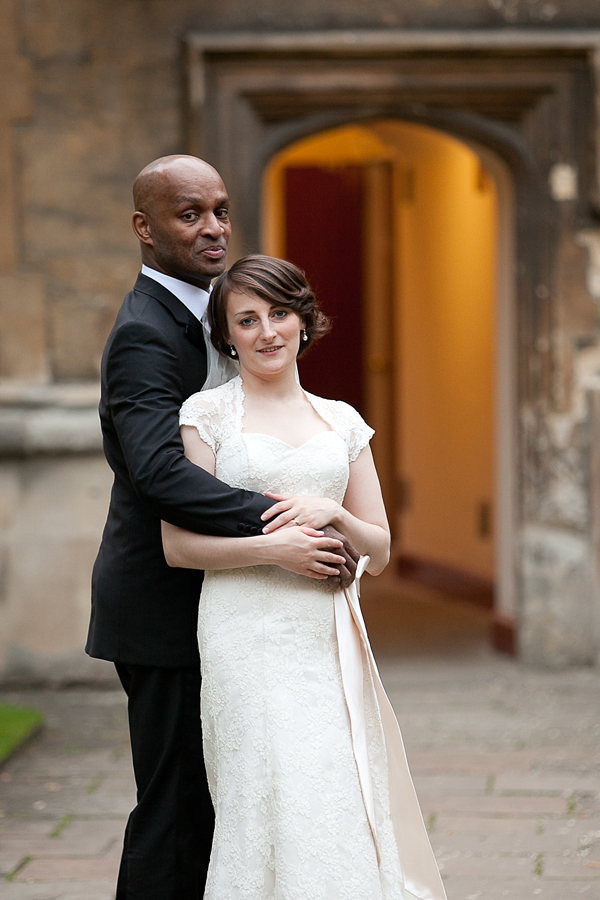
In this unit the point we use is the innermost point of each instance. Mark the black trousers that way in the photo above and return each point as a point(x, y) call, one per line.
point(169, 833)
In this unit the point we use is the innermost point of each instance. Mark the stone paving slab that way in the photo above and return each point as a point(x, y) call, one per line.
point(58, 838)
point(439, 784)
point(549, 782)
point(65, 869)
point(87, 889)
point(531, 888)
point(473, 761)
point(571, 867)
point(528, 807)
point(578, 761)
point(538, 835)
point(501, 867)
point(90, 797)
point(508, 867)
point(80, 764)
point(15, 836)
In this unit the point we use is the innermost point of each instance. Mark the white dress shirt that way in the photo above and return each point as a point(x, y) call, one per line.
point(192, 297)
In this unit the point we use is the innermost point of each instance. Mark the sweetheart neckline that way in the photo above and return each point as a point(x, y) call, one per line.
point(291, 446)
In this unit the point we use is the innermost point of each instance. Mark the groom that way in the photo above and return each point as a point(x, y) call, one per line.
point(144, 614)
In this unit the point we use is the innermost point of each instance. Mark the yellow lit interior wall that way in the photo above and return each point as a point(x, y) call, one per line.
point(445, 285)
point(446, 234)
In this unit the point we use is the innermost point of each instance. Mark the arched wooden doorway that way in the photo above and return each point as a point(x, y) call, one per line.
point(527, 98)
point(397, 226)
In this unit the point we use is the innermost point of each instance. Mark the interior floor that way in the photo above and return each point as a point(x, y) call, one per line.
point(405, 619)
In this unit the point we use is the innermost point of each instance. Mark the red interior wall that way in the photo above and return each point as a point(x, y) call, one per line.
point(323, 222)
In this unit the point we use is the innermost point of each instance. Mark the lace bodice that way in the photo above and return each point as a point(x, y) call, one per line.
point(319, 467)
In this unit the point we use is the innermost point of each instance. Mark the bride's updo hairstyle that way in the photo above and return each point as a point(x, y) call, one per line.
point(277, 281)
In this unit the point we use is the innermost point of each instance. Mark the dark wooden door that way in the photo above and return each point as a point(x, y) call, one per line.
point(324, 236)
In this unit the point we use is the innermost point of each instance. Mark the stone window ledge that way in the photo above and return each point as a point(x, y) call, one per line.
point(55, 419)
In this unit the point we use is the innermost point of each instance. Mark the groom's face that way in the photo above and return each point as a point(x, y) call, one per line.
point(185, 227)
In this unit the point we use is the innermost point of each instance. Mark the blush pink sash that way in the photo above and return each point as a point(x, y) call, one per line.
point(421, 876)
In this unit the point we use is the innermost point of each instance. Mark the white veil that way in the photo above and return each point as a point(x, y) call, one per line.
point(219, 368)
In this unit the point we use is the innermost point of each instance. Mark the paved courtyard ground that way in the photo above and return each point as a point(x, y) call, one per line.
point(506, 761)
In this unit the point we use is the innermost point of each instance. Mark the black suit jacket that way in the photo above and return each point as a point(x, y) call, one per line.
point(144, 612)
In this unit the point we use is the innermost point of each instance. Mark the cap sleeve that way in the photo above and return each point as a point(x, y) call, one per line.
point(203, 413)
point(354, 429)
point(344, 419)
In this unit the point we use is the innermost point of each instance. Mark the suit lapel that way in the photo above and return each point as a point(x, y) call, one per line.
point(145, 285)
point(194, 330)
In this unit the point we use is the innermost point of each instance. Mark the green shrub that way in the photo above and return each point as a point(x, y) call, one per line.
point(17, 723)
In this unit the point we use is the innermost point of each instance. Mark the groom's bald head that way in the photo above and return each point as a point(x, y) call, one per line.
point(182, 218)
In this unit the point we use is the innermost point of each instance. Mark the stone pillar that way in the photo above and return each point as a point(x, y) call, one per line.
point(560, 538)
point(558, 575)
point(54, 488)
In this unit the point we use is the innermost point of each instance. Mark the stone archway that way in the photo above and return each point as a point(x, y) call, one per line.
point(531, 101)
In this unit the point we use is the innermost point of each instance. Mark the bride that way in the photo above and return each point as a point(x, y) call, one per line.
point(305, 763)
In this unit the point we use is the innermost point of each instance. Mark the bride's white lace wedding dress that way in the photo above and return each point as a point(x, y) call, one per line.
point(295, 819)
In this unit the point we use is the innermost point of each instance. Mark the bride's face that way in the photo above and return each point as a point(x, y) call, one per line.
point(266, 337)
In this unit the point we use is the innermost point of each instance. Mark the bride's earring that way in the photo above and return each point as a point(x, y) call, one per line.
point(232, 350)
point(304, 335)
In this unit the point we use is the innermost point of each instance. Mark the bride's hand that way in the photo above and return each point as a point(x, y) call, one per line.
point(314, 512)
point(305, 551)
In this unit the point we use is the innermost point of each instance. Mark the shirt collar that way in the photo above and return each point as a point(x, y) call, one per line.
point(193, 298)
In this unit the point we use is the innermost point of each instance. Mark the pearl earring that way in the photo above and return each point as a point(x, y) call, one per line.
point(304, 335)
point(232, 350)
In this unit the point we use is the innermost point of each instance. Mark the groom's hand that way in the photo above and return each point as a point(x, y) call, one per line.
point(348, 569)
